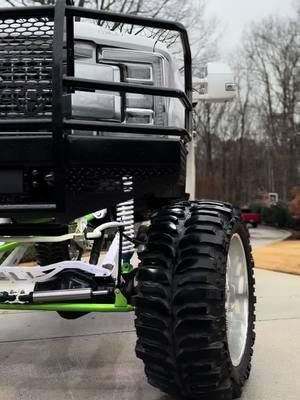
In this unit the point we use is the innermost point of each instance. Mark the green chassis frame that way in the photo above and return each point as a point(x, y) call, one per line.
point(120, 305)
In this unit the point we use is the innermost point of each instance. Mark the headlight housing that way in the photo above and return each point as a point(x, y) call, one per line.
point(119, 65)
point(99, 104)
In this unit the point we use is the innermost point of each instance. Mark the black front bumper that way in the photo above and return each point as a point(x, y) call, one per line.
point(93, 171)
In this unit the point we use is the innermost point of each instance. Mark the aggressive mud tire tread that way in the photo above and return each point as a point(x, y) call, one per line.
point(51, 253)
point(180, 302)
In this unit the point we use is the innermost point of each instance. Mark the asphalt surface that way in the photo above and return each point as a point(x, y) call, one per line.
point(46, 358)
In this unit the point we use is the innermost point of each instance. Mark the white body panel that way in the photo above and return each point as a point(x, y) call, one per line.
point(100, 36)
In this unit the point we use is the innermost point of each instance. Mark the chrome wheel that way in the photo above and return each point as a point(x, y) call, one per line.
point(237, 300)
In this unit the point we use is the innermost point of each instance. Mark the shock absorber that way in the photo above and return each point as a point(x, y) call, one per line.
point(125, 214)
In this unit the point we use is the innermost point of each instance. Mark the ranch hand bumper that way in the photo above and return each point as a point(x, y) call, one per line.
point(94, 165)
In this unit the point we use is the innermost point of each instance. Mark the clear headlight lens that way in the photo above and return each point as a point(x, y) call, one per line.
point(141, 68)
point(84, 50)
point(117, 65)
point(134, 116)
point(99, 104)
point(139, 101)
point(139, 73)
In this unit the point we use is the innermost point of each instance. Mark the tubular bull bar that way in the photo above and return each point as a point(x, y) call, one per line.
point(44, 169)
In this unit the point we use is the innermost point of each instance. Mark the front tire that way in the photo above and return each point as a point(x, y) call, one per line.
point(183, 325)
point(52, 253)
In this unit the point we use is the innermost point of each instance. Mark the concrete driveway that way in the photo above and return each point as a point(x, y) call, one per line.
point(265, 235)
point(43, 357)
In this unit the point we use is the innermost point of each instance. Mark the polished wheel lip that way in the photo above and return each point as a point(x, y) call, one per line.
point(237, 300)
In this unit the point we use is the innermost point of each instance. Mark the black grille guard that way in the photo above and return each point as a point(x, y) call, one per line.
point(51, 122)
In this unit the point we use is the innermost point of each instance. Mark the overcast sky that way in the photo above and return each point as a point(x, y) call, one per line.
point(236, 14)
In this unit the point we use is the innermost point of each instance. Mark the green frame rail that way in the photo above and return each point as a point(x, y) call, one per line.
point(120, 305)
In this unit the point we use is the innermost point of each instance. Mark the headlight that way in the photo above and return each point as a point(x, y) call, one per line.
point(118, 65)
point(142, 68)
point(131, 66)
point(100, 104)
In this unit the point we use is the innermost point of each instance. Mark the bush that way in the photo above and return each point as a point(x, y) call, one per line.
point(295, 224)
point(258, 207)
point(277, 215)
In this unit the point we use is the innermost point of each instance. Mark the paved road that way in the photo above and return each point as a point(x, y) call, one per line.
point(264, 235)
point(46, 358)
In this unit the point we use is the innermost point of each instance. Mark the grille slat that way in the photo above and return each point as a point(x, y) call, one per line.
point(26, 46)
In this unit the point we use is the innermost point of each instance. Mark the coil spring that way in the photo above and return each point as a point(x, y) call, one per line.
point(125, 214)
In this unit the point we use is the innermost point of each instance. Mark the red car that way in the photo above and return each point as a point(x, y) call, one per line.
point(250, 217)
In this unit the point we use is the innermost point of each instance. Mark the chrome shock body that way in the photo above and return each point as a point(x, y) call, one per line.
point(125, 214)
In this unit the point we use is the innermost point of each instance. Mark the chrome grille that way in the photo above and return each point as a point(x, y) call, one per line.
point(25, 67)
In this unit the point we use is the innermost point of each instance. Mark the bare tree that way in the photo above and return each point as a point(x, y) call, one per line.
point(191, 13)
point(273, 48)
point(207, 119)
point(242, 112)
point(256, 145)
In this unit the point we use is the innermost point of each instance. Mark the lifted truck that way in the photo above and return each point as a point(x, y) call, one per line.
point(92, 121)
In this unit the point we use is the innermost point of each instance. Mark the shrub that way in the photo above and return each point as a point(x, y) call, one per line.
point(258, 206)
point(277, 215)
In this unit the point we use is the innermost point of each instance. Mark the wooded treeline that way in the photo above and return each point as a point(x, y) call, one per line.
point(252, 146)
